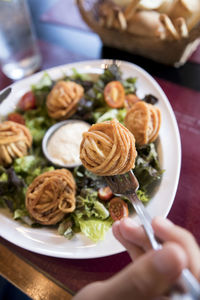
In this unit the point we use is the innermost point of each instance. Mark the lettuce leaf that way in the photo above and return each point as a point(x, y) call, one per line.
point(45, 83)
point(130, 85)
point(24, 164)
point(143, 196)
point(12, 190)
point(31, 166)
point(87, 205)
point(85, 179)
point(109, 114)
point(111, 73)
point(147, 167)
point(95, 229)
point(65, 228)
point(38, 121)
point(91, 217)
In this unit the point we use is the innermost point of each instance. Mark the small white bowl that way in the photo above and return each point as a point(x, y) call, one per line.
point(48, 136)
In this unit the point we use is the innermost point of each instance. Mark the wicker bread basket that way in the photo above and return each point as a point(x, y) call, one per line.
point(170, 52)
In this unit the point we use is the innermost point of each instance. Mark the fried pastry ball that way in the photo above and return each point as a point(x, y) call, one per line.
point(50, 196)
point(15, 140)
point(63, 98)
point(108, 148)
point(144, 121)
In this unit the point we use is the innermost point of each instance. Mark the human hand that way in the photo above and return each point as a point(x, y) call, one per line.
point(152, 273)
point(155, 272)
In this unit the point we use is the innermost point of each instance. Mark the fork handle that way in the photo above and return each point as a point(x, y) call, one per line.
point(187, 281)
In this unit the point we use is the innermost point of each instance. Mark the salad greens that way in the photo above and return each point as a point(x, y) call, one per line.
point(93, 107)
point(38, 121)
point(91, 215)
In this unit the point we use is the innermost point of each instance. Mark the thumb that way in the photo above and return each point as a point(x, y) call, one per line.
point(151, 275)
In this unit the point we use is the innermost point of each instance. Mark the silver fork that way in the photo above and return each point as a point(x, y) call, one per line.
point(127, 185)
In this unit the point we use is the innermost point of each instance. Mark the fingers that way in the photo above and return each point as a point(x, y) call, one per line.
point(132, 233)
point(151, 275)
point(134, 239)
point(119, 228)
point(167, 231)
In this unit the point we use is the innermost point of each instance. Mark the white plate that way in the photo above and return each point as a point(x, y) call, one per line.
point(47, 241)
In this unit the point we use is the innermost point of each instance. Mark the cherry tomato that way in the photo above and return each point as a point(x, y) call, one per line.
point(118, 209)
point(105, 193)
point(27, 102)
point(15, 117)
point(130, 100)
point(114, 94)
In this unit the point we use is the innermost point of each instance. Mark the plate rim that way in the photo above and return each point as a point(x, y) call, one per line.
point(155, 84)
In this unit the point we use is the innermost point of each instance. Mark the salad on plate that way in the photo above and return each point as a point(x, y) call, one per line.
point(25, 171)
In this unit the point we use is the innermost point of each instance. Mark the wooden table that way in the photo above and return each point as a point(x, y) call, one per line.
point(43, 277)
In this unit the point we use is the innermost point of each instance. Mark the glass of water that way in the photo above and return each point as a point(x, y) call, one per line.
point(19, 54)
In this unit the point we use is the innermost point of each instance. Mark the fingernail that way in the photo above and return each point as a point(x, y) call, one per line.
point(163, 222)
point(129, 222)
point(116, 223)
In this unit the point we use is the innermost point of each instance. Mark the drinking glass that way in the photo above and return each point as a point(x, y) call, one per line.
point(19, 54)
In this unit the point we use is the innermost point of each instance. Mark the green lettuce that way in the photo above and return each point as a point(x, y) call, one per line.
point(142, 195)
point(91, 217)
point(65, 228)
point(12, 190)
point(81, 76)
point(85, 179)
point(25, 164)
point(95, 229)
point(87, 205)
point(45, 83)
point(106, 114)
point(147, 167)
point(38, 121)
point(31, 166)
point(41, 89)
point(19, 213)
point(111, 73)
point(130, 85)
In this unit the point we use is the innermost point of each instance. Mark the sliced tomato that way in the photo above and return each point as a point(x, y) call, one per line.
point(114, 94)
point(130, 100)
point(27, 101)
point(105, 193)
point(15, 117)
point(118, 208)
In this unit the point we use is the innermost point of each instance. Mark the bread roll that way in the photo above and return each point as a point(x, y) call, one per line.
point(150, 4)
point(147, 24)
point(187, 9)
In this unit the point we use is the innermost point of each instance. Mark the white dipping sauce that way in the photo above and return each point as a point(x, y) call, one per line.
point(64, 145)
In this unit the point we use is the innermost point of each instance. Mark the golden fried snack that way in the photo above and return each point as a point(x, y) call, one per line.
point(15, 139)
point(50, 196)
point(130, 100)
point(63, 98)
point(108, 148)
point(144, 121)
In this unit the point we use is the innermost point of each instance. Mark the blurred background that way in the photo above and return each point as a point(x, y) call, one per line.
point(64, 37)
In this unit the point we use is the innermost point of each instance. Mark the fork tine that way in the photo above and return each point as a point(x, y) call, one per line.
point(113, 183)
point(134, 180)
point(122, 183)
